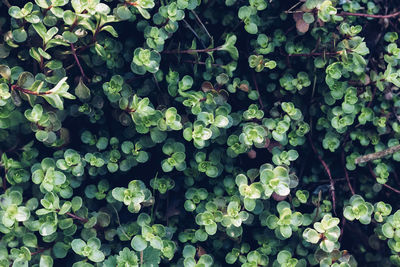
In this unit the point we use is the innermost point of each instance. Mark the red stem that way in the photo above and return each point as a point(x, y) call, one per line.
point(73, 216)
point(369, 15)
point(77, 61)
point(328, 171)
point(4, 183)
point(346, 174)
point(131, 3)
point(202, 63)
point(316, 54)
point(256, 86)
point(189, 51)
point(39, 251)
point(26, 91)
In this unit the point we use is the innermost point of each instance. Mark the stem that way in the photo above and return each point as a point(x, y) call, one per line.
point(377, 155)
point(4, 183)
point(202, 63)
point(7, 3)
point(190, 51)
point(202, 25)
point(39, 251)
point(131, 3)
point(29, 92)
point(73, 50)
point(316, 54)
point(73, 216)
point(346, 174)
point(344, 14)
point(256, 86)
point(328, 171)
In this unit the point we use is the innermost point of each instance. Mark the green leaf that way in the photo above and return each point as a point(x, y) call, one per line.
point(138, 243)
point(45, 261)
point(82, 91)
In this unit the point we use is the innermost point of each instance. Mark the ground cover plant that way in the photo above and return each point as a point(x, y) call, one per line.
point(199, 133)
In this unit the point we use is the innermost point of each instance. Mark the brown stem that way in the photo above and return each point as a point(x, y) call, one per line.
point(316, 54)
point(7, 3)
point(328, 171)
point(202, 25)
point(256, 86)
point(29, 92)
point(39, 251)
point(345, 14)
point(202, 63)
point(190, 51)
point(73, 216)
point(346, 174)
point(372, 97)
point(4, 183)
point(73, 50)
point(377, 155)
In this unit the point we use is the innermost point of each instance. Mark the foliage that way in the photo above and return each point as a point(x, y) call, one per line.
point(199, 133)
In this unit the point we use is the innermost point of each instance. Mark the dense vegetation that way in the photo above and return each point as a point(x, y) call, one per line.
point(199, 133)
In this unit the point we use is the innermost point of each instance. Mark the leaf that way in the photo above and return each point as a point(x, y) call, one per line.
point(96, 256)
point(5, 72)
point(229, 46)
point(77, 246)
point(302, 26)
point(70, 37)
point(82, 91)
point(111, 30)
point(25, 80)
point(138, 243)
point(45, 261)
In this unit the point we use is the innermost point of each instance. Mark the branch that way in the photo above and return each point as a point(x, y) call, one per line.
point(377, 155)
point(346, 174)
point(73, 50)
point(316, 54)
point(345, 14)
point(7, 3)
point(202, 25)
point(190, 51)
point(73, 216)
point(256, 86)
point(328, 171)
point(39, 251)
point(29, 92)
point(202, 63)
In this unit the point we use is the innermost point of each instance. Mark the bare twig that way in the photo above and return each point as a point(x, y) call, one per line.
point(256, 86)
point(7, 3)
point(73, 50)
point(202, 63)
point(190, 51)
point(377, 155)
point(39, 251)
point(194, 32)
point(316, 54)
point(202, 25)
point(328, 172)
point(346, 174)
point(76, 217)
point(393, 15)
